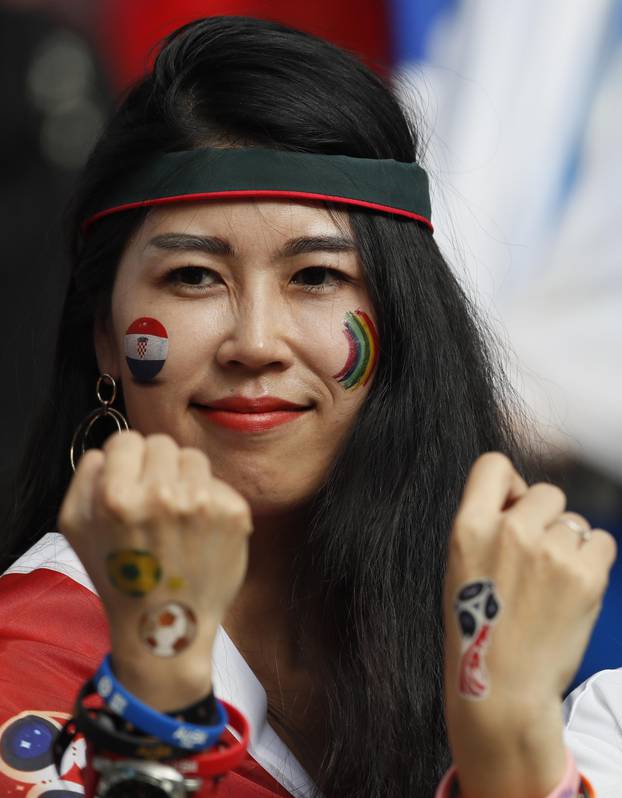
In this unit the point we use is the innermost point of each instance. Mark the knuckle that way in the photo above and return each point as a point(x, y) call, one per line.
point(607, 545)
point(511, 528)
point(497, 459)
point(113, 501)
point(231, 509)
point(122, 438)
point(192, 453)
point(554, 560)
point(201, 502)
point(586, 584)
point(611, 545)
point(554, 491)
point(580, 519)
point(118, 503)
point(160, 439)
point(161, 499)
point(88, 460)
point(467, 534)
point(240, 517)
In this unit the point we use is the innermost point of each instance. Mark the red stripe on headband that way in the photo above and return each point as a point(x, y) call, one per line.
point(254, 193)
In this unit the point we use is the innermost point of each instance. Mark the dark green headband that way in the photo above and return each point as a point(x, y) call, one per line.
point(214, 173)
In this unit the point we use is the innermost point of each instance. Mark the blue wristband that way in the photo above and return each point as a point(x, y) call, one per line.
point(162, 727)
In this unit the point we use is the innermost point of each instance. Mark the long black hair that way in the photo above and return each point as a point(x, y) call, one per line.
point(371, 563)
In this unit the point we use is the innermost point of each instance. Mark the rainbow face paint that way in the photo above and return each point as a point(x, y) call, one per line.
point(146, 348)
point(362, 337)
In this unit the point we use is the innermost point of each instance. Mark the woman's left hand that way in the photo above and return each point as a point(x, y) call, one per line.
point(522, 594)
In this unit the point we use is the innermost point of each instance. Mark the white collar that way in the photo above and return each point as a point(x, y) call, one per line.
point(235, 682)
point(233, 679)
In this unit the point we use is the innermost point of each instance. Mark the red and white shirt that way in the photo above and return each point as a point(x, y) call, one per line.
point(53, 635)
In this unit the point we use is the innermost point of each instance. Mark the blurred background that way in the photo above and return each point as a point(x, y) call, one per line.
point(520, 103)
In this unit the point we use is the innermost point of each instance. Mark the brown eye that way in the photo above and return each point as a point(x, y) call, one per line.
point(192, 276)
point(319, 278)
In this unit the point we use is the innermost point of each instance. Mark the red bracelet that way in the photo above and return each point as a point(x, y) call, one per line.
point(211, 764)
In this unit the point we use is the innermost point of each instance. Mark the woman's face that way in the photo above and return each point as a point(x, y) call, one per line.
point(255, 298)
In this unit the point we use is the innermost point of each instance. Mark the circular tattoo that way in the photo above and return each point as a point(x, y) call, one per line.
point(168, 629)
point(133, 571)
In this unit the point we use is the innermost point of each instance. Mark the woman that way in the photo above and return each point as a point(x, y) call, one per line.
point(318, 378)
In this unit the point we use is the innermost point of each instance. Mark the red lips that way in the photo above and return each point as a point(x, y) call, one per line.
point(260, 404)
point(246, 414)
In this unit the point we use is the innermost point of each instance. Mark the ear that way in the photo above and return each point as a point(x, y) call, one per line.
point(106, 349)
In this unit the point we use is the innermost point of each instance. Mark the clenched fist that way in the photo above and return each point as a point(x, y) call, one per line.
point(166, 545)
point(522, 592)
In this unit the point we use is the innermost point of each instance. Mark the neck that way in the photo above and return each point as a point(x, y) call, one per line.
point(264, 630)
point(259, 621)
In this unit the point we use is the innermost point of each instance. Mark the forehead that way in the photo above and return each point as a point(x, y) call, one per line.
point(258, 222)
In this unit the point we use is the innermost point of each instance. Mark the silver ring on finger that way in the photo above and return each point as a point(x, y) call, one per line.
point(584, 533)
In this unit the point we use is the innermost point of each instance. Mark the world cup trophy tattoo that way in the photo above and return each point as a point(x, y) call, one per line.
point(477, 608)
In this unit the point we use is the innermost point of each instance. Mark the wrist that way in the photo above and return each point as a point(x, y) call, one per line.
point(165, 685)
point(571, 784)
point(516, 752)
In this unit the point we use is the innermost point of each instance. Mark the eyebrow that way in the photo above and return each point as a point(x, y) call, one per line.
point(212, 245)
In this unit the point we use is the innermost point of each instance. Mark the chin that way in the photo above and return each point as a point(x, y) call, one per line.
point(269, 492)
point(264, 508)
point(271, 498)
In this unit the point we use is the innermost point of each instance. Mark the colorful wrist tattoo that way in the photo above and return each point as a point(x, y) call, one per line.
point(146, 348)
point(168, 629)
point(133, 571)
point(477, 607)
point(175, 583)
point(362, 337)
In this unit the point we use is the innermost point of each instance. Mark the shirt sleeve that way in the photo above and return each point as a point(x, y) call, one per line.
point(593, 715)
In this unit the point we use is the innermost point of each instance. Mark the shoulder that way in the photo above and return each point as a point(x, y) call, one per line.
point(593, 716)
point(52, 553)
point(51, 619)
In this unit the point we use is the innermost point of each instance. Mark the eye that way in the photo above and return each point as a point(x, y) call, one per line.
point(319, 278)
point(191, 277)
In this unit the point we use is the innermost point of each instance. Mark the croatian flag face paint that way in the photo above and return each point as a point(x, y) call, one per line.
point(146, 348)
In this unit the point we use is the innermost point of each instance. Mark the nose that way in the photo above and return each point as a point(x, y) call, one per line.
point(256, 340)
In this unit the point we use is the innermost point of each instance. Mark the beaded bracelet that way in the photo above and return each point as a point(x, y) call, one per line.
point(180, 734)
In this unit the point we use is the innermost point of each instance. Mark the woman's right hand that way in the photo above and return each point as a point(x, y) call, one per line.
point(166, 545)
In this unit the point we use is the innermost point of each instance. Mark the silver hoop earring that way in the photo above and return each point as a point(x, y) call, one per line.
point(82, 433)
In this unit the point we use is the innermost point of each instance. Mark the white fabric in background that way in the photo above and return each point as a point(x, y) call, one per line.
point(511, 92)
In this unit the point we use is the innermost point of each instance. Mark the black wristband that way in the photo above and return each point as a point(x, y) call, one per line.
point(204, 712)
point(105, 731)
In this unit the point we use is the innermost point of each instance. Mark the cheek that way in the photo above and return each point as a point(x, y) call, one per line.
point(165, 349)
point(348, 349)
